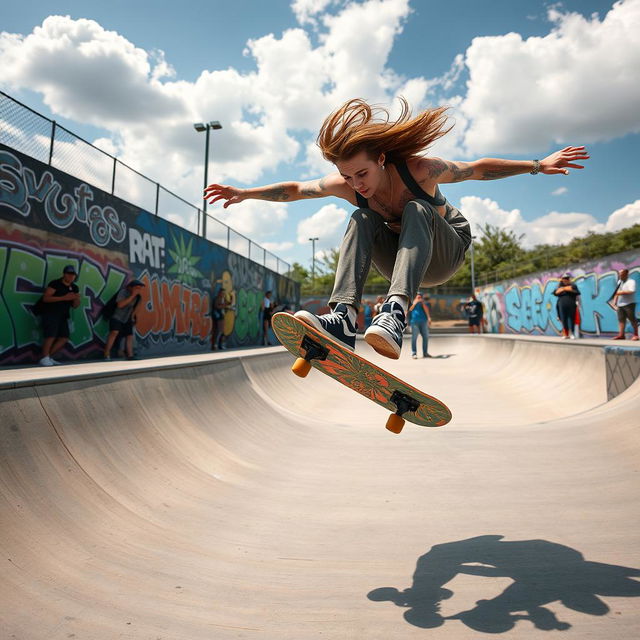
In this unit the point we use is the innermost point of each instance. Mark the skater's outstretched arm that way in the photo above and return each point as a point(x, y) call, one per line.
point(331, 185)
point(443, 171)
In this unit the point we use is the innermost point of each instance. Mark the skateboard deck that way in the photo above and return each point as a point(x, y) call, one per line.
point(313, 349)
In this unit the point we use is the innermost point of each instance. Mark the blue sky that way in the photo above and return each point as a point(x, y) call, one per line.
point(523, 78)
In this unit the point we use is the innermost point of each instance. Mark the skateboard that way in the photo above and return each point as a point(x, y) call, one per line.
point(313, 349)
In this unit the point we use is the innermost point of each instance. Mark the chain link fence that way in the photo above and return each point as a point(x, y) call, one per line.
point(35, 135)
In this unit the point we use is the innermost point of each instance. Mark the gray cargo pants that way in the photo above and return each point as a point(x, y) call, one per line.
point(427, 252)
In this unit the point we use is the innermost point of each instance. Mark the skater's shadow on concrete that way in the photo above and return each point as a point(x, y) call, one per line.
point(542, 572)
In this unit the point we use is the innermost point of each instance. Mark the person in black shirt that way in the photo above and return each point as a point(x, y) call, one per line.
point(59, 298)
point(474, 311)
point(567, 294)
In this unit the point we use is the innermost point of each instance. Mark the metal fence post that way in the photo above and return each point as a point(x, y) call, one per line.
point(157, 196)
point(113, 177)
point(53, 135)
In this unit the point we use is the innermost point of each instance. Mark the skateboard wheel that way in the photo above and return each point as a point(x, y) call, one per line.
point(301, 367)
point(395, 423)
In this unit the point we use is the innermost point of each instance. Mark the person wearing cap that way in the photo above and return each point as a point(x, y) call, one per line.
point(624, 297)
point(474, 311)
point(59, 298)
point(124, 317)
point(567, 294)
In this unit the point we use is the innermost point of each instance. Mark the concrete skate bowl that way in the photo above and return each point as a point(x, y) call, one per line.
point(230, 499)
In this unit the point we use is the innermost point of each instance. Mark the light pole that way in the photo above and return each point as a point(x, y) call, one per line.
point(206, 126)
point(473, 271)
point(313, 262)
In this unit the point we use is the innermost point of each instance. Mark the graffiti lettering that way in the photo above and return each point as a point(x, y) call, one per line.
point(529, 306)
point(246, 273)
point(171, 308)
point(27, 272)
point(19, 185)
point(146, 249)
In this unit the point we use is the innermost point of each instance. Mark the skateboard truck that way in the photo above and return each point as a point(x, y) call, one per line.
point(403, 403)
point(313, 351)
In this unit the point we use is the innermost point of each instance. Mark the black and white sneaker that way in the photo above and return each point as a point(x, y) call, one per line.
point(386, 330)
point(335, 325)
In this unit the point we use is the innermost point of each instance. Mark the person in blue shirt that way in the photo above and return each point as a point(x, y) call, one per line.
point(367, 310)
point(419, 319)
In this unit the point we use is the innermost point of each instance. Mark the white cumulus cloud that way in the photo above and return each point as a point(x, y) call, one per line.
point(624, 217)
point(307, 10)
point(327, 224)
point(576, 85)
point(552, 228)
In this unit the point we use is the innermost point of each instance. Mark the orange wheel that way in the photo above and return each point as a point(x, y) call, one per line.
point(301, 367)
point(395, 423)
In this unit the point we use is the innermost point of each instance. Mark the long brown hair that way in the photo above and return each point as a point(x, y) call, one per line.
point(357, 126)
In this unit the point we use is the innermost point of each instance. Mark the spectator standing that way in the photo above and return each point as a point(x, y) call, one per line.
point(419, 320)
point(217, 315)
point(624, 297)
point(475, 312)
point(266, 309)
point(124, 317)
point(59, 298)
point(378, 305)
point(567, 293)
point(367, 311)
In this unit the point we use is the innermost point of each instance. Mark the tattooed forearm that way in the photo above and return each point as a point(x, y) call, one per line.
point(496, 174)
point(276, 193)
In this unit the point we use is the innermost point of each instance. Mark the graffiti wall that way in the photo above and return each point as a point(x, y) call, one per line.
point(49, 219)
point(527, 304)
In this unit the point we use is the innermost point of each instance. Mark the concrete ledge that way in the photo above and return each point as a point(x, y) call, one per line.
point(36, 375)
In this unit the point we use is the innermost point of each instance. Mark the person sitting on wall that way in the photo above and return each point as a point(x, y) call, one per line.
point(59, 298)
point(474, 311)
point(567, 293)
point(624, 297)
point(124, 317)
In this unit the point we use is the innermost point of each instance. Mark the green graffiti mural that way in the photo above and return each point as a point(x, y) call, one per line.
point(247, 324)
point(184, 261)
point(26, 275)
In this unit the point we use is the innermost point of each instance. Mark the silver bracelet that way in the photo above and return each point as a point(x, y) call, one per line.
point(536, 168)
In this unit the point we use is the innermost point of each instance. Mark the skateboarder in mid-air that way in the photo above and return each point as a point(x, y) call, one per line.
point(403, 223)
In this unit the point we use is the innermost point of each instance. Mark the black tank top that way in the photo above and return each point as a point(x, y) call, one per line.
point(410, 182)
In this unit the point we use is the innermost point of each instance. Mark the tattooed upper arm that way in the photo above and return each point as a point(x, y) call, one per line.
point(314, 188)
point(443, 171)
point(460, 171)
point(435, 167)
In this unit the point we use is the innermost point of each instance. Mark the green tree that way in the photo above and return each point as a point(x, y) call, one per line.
point(298, 273)
point(498, 255)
